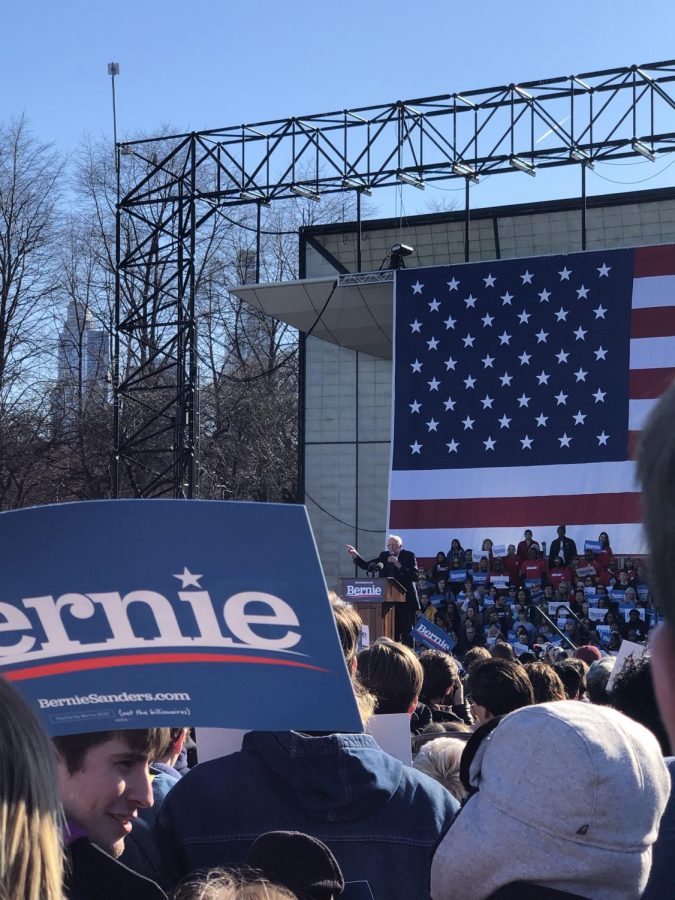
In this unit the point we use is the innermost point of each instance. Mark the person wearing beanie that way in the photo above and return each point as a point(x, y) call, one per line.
point(588, 654)
point(299, 862)
point(578, 838)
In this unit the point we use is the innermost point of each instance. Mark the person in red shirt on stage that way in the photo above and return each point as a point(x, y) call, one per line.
point(534, 567)
point(559, 572)
point(512, 564)
point(524, 546)
point(605, 556)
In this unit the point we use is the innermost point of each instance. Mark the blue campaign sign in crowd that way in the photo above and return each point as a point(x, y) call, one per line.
point(131, 613)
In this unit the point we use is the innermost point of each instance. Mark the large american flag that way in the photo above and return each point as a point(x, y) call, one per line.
point(520, 388)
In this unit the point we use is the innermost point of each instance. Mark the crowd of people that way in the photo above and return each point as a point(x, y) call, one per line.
point(545, 778)
point(530, 601)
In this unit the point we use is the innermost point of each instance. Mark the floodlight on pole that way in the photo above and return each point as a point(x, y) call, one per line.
point(355, 185)
point(301, 191)
point(643, 150)
point(460, 168)
point(522, 165)
point(412, 180)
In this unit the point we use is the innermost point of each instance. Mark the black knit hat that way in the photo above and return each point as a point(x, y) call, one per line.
point(299, 862)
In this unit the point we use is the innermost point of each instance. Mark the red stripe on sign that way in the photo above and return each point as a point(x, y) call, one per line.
point(147, 659)
point(648, 384)
point(655, 322)
point(654, 261)
point(482, 512)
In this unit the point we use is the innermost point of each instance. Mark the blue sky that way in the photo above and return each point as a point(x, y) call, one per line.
point(209, 64)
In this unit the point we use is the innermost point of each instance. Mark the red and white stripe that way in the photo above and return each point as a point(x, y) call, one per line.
point(429, 508)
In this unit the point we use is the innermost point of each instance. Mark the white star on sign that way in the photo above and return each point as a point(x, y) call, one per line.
point(524, 317)
point(544, 295)
point(432, 344)
point(416, 447)
point(506, 379)
point(504, 338)
point(525, 358)
point(415, 407)
point(416, 366)
point(600, 354)
point(562, 356)
point(526, 442)
point(417, 289)
point(450, 322)
point(527, 278)
point(487, 401)
point(600, 312)
point(453, 284)
point(600, 396)
point(564, 440)
point(541, 420)
point(543, 377)
point(487, 361)
point(604, 271)
point(449, 404)
point(490, 281)
point(602, 439)
point(470, 301)
point(489, 444)
point(506, 299)
point(561, 398)
point(452, 446)
point(469, 382)
point(450, 363)
point(580, 334)
point(468, 340)
point(487, 320)
point(582, 292)
point(416, 327)
point(523, 400)
point(433, 384)
point(434, 305)
point(565, 274)
point(468, 423)
point(580, 418)
point(562, 315)
point(432, 425)
point(187, 579)
point(580, 374)
point(504, 422)
point(541, 336)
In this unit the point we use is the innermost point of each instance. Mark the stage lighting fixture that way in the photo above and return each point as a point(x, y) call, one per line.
point(256, 196)
point(403, 249)
point(522, 165)
point(301, 191)
point(397, 255)
point(357, 186)
point(126, 150)
point(643, 150)
point(407, 178)
point(462, 169)
point(581, 156)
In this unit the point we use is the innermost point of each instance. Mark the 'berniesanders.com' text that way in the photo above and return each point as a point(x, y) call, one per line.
point(124, 697)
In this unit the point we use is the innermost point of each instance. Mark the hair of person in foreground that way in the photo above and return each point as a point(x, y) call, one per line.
point(31, 855)
point(440, 759)
point(348, 624)
point(219, 884)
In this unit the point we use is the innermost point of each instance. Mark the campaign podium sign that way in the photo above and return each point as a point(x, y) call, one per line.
point(143, 613)
point(374, 599)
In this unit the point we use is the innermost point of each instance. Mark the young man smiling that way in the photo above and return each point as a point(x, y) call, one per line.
point(103, 782)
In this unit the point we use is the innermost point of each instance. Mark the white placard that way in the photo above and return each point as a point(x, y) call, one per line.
point(596, 614)
point(499, 550)
point(392, 734)
point(213, 743)
point(627, 648)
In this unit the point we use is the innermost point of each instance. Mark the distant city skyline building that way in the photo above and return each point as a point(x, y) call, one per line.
point(83, 363)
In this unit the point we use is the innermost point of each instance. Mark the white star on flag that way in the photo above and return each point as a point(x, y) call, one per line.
point(525, 358)
point(416, 447)
point(524, 317)
point(504, 422)
point(527, 277)
point(450, 322)
point(432, 425)
point(580, 334)
point(449, 404)
point(506, 379)
point(487, 320)
point(600, 353)
point(506, 299)
point(489, 281)
point(470, 301)
point(602, 439)
point(523, 400)
point(600, 396)
point(417, 288)
point(469, 381)
point(541, 420)
point(487, 361)
point(604, 271)
point(434, 305)
point(415, 407)
point(504, 338)
point(561, 398)
point(452, 446)
point(562, 315)
point(565, 274)
point(416, 327)
point(416, 366)
point(541, 336)
point(450, 363)
point(487, 401)
point(526, 442)
point(565, 441)
point(489, 444)
point(468, 340)
point(433, 384)
point(543, 377)
point(187, 579)
point(432, 344)
point(544, 295)
point(600, 312)
point(453, 284)
point(582, 292)
point(562, 356)
point(468, 423)
point(580, 374)
point(580, 418)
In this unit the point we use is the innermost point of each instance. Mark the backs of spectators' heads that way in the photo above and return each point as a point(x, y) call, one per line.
point(546, 682)
point(393, 674)
point(497, 687)
point(299, 862)
point(656, 473)
point(441, 676)
point(633, 694)
point(31, 863)
point(218, 884)
point(440, 759)
point(597, 678)
point(572, 673)
point(562, 823)
point(502, 650)
point(348, 624)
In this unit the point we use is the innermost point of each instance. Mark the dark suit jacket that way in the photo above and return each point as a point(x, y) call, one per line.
point(407, 575)
point(565, 549)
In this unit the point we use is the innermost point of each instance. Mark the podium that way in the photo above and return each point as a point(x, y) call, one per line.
point(374, 600)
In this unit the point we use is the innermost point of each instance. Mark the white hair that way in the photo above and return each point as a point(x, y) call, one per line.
point(440, 760)
point(395, 537)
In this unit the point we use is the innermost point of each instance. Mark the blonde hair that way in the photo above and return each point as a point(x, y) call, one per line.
point(348, 623)
point(440, 760)
point(221, 885)
point(31, 854)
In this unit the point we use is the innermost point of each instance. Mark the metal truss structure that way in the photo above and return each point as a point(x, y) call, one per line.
point(187, 178)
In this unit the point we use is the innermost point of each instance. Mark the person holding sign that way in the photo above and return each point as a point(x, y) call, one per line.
point(400, 564)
